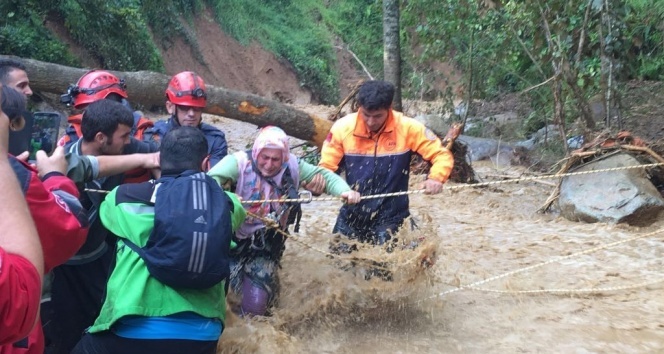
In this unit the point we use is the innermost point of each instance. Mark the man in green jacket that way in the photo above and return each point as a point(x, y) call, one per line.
point(140, 313)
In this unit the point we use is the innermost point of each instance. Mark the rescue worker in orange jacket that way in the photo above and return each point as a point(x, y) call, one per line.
point(97, 85)
point(374, 147)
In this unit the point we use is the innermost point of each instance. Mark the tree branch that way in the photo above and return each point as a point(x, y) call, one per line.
point(366, 71)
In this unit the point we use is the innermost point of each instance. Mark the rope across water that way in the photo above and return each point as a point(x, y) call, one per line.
point(475, 286)
point(417, 191)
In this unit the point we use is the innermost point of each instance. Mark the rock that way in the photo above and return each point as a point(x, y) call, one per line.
point(435, 122)
point(575, 142)
point(549, 132)
point(612, 197)
point(503, 157)
point(461, 108)
point(502, 118)
point(482, 149)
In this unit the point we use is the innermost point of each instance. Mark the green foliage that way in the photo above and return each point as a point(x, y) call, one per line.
point(645, 29)
point(359, 24)
point(115, 32)
point(517, 45)
point(23, 34)
point(510, 51)
point(289, 30)
point(445, 31)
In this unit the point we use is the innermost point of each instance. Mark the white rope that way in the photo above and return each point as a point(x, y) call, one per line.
point(475, 285)
point(417, 191)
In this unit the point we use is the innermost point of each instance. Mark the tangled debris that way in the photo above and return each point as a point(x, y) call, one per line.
point(605, 145)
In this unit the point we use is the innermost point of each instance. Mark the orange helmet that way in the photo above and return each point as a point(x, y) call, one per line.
point(95, 85)
point(187, 89)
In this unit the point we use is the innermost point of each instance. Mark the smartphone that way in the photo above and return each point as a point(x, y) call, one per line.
point(44, 133)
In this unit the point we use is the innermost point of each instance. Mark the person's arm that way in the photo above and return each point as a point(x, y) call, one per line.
point(332, 151)
point(426, 143)
point(20, 293)
point(86, 168)
point(334, 184)
point(136, 146)
point(21, 262)
point(18, 234)
point(238, 214)
point(225, 172)
point(115, 165)
point(53, 202)
point(61, 220)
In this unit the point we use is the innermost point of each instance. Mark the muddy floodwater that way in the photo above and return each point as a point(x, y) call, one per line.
point(471, 235)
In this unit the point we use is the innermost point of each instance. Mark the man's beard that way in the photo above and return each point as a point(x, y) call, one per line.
point(107, 150)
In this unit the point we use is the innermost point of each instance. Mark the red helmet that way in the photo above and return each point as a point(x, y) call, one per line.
point(96, 85)
point(187, 89)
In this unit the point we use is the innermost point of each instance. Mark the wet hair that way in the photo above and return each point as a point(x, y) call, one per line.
point(104, 116)
point(13, 103)
point(183, 148)
point(375, 94)
point(7, 66)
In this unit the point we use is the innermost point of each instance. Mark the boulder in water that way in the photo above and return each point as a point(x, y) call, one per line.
point(613, 197)
point(483, 149)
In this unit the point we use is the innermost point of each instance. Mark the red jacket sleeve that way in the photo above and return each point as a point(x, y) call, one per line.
point(20, 292)
point(60, 219)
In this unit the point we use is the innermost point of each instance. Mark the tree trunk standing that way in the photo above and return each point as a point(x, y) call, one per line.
point(557, 85)
point(609, 61)
point(392, 49)
point(579, 96)
point(559, 105)
point(147, 88)
point(469, 92)
point(571, 71)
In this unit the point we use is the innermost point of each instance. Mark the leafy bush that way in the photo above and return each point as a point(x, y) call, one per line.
point(114, 32)
point(22, 34)
point(359, 23)
point(509, 50)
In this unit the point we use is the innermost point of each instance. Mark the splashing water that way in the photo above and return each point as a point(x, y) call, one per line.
point(327, 306)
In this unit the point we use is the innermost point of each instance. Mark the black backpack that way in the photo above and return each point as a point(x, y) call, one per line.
point(189, 245)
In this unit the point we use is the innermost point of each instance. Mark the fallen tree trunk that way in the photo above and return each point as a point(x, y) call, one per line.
point(147, 88)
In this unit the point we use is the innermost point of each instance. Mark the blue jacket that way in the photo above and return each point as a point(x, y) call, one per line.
point(216, 139)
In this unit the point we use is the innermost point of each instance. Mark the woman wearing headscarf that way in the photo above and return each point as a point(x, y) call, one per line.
point(266, 172)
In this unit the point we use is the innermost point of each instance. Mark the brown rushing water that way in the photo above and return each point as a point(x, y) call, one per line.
point(476, 234)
